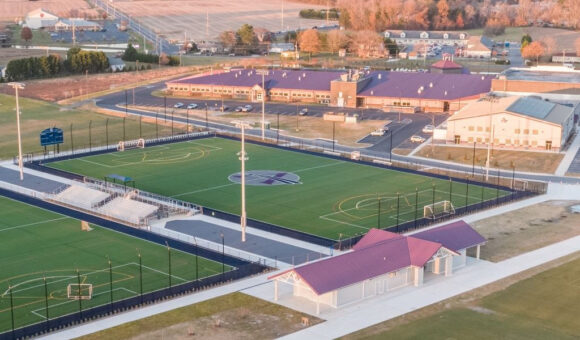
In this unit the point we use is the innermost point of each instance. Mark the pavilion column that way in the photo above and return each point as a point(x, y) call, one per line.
point(478, 251)
point(317, 304)
point(449, 265)
point(275, 290)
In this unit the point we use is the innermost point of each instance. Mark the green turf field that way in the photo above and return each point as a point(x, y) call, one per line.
point(37, 243)
point(332, 197)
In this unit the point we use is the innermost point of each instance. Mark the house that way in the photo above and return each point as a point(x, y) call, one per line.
point(40, 18)
point(478, 47)
point(427, 37)
point(513, 122)
point(76, 24)
point(564, 57)
point(379, 263)
point(281, 47)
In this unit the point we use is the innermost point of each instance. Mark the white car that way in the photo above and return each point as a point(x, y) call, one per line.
point(379, 132)
point(417, 139)
point(178, 105)
point(192, 106)
point(247, 108)
point(303, 112)
point(428, 129)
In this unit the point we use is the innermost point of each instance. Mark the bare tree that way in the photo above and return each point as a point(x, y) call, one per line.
point(367, 43)
point(336, 40)
point(549, 45)
point(228, 39)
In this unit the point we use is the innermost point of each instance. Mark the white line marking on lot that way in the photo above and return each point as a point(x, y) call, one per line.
point(35, 223)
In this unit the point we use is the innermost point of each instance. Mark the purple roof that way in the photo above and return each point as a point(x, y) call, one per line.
point(281, 79)
point(367, 262)
point(454, 236)
point(406, 84)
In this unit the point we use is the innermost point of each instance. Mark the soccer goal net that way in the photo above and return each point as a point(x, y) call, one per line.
point(438, 209)
point(83, 291)
point(131, 144)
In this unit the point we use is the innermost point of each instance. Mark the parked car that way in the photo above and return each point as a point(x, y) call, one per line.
point(378, 132)
point(239, 109)
point(428, 129)
point(224, 108)
point(303, 112)
point(417, 139)
point(192, 106)
point(178, 105)
point(247, 108)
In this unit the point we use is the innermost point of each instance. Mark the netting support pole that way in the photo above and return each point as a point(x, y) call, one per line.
point(12, 310)
point(140, 277)
point(416, 204)
point(398, 199)
point(80, 300)
point(111, 284)
point(466, 194)
point(46, 302)
point(379, 212)
point(169, 263)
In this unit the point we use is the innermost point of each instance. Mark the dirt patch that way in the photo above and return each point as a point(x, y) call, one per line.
point(465, 300)
point(78, 86)
point(7, 54)
point(12, 10)
point(543, 162)
point(526, 229)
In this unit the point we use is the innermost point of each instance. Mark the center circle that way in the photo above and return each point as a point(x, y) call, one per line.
point(266, 177)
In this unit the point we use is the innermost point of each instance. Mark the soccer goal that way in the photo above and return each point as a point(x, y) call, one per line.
point(438, 209)
point(520, 185)
point(131, 144)
point(83, 291)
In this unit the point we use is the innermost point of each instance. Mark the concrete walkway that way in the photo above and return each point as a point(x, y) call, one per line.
point(572, 154)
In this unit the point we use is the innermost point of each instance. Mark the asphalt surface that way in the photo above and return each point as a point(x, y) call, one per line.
point(260, 246)
point(401, 130)
point(31, 182)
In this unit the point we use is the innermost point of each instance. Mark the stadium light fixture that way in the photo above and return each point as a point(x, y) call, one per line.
point(18, 86)
point(243, 158)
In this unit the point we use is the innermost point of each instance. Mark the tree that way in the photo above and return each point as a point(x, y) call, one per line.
point(459, 21)
point(309, 41)
point(228, 39)
point(336, 39)
point(533, 50)
point(26, 34)
point(163, 59)
point(130, 53)
point(247, 36)
point(391, 46)
point(549, 44)
point(443, 17)
point(367, 43)
point(526, 37)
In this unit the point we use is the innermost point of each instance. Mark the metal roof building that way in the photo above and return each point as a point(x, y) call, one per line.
point(416, 91)
point(513, 122)
point(380, 262)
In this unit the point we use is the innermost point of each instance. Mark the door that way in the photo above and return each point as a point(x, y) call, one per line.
point(445, 106)
point(548, 145)
point(457, 139)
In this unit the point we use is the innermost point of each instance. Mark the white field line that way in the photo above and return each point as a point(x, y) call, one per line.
point(211, 147)
point(96, 163)
point(35, 223)
point(36, 311)
point(161, 272)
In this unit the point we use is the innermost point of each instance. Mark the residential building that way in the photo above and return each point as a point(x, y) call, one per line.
point(379, 263)
point(566, 57)
point(427, 37)
point(76, 24)
point(478, 47)
point(513, 122)
point(40, 18)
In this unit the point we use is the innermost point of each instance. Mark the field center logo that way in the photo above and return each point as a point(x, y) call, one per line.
point(266, 177)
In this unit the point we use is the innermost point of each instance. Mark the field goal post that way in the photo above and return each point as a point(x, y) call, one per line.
point(438, 209)
point(83, 291)
point(131, 144)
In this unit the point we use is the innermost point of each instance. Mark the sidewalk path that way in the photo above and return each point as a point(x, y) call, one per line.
point(571, 160)
point(30, 181)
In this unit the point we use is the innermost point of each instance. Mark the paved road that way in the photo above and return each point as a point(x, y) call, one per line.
point(258, 245)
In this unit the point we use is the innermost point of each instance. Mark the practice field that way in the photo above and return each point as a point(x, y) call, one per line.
point(38, 244)
point(318, 195)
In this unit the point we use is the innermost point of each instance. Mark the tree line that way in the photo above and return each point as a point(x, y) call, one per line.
point(77, 62)
point(319, 14)
point(131, 54)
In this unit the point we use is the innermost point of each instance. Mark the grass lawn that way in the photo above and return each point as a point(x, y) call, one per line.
point(544, 306)
point(37, 243)
point(241, 317)
point(330, 197)
point(38, 115)
point(544, 162)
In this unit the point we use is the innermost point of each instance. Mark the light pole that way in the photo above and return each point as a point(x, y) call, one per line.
point(263, 73)
point(243, 158)
point(18, 86)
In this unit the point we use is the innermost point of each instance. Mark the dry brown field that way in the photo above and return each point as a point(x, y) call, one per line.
point(173, 18)
point(14, 10)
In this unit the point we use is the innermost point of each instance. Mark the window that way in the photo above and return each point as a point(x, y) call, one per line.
point(516, 142)
point(496, 141)
point(487, 139)
point(534, 143)
point(470, 128)
point(470, 139)
point(487, 129)
point(508, 141)
point(517, 131)
point(526, 142)
point(535, 132)
point(478, 139)
point(526, 131)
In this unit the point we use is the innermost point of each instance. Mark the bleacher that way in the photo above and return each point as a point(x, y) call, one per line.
point(81, 197)
point(127, 209)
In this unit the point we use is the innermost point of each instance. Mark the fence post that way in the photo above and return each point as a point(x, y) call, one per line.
point(79, 288)
point(111, 283)
point(11, 310)
point(46, 302)
point(140, 276)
